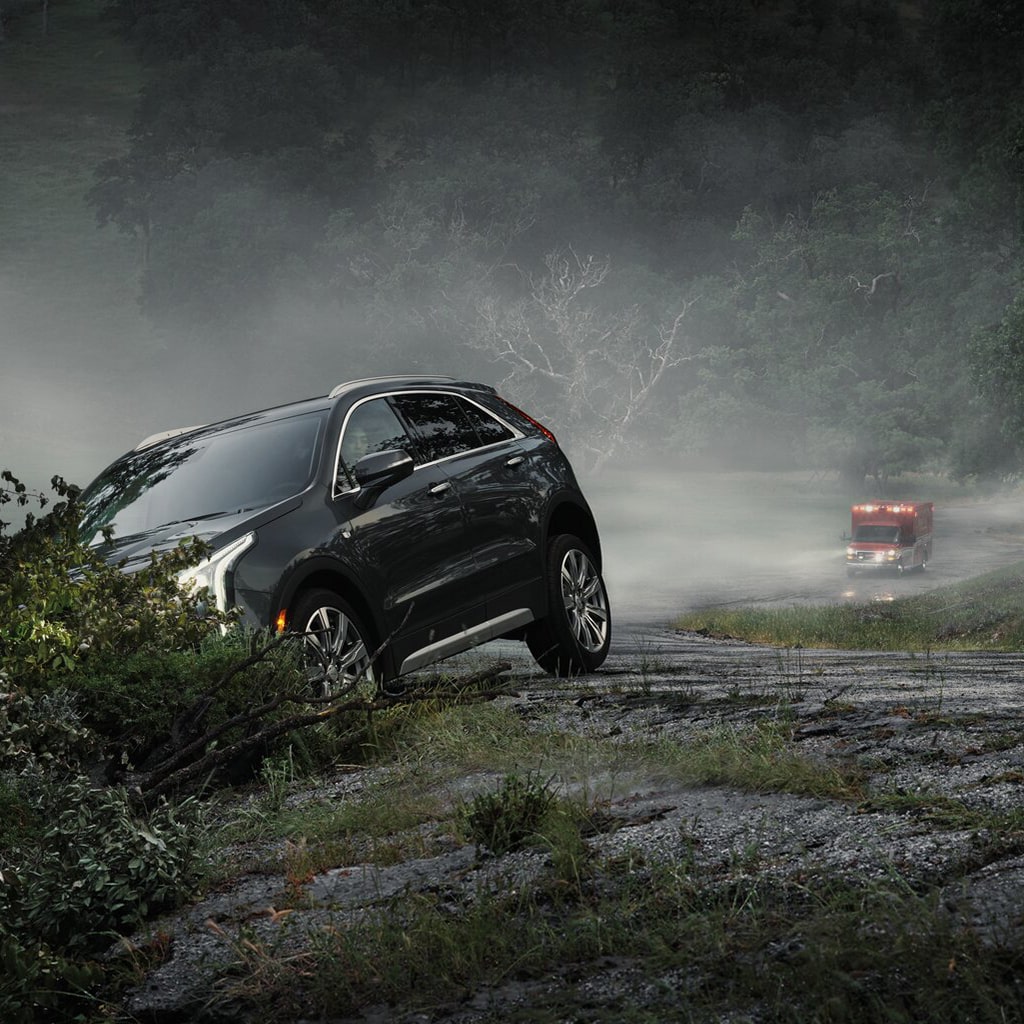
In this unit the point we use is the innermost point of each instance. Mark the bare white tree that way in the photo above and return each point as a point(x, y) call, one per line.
point(594, 368)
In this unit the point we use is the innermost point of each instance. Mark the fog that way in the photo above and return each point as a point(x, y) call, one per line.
point(86, 373)
point(73, 397)
point(677, 540)
point(673, 538)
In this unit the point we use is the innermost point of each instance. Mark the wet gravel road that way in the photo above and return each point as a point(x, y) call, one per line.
point(971, 538)
point(662, 660)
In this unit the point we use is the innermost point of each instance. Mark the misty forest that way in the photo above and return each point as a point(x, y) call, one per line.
point(777, 237)
point(779, 234)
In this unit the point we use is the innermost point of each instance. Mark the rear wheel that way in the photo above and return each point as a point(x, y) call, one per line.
point(335, 651)
point(574, 636)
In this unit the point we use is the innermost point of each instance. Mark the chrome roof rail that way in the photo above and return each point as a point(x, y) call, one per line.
point(163, 435)
point(411, 378)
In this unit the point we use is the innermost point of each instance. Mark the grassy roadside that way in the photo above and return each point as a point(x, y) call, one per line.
point(606, 934)
point(983, 613)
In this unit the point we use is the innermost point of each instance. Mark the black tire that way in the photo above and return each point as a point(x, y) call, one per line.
point(337, 645)
point(574, 637)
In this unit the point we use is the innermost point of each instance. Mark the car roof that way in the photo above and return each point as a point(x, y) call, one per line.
point(352, 388)
point(394, 380)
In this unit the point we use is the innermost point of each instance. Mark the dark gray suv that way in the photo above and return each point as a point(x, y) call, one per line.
point(415, 516)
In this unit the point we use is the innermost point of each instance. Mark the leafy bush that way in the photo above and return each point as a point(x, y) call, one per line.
point(98, 866)
point(141, 701)
point(86, 866)
point(38, 984)
point(43, 732)
point(507, 819)
point(62, 606)
point(77, 861)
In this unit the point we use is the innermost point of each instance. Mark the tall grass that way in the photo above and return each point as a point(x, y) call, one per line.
point(697, 945)
point(984, 613)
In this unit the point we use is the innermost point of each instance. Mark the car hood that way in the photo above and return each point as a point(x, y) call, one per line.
point(134, 549)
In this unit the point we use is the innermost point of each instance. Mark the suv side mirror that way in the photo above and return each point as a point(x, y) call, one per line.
point(379, 470)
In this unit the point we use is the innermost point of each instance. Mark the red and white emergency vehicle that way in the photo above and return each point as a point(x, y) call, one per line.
point(890, 535)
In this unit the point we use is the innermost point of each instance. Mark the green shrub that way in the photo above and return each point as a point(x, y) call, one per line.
point(138, 701)
point(98, 867)
point(43, 732)
point(37, 984)
point(103, 672)
point(62, 606)
point(510, 817)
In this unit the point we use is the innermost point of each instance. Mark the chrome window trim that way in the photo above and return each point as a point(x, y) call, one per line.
point(517, 434)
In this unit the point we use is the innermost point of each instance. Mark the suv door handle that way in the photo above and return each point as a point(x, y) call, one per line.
point(514, 461)
point(440, 488)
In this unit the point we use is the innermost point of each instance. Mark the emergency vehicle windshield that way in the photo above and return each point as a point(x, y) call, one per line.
point(874, 533)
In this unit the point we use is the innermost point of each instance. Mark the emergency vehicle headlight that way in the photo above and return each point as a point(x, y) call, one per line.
point(850, 552)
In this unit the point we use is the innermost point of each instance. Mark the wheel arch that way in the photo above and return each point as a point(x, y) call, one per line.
point(329, 575)
point(569, 516)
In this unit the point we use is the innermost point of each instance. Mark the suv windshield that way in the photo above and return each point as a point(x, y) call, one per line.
point(215, 473)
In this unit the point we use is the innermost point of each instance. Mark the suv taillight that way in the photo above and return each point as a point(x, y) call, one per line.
point(529, 419)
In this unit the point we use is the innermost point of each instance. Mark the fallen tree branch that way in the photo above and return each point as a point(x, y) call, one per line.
point(180, 764)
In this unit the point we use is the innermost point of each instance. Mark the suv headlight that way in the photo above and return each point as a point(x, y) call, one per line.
point(211, 573)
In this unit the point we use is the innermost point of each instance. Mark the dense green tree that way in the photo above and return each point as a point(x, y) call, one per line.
point(839, 325)
point(978, 106)
point(997, 365)
point(177, 30)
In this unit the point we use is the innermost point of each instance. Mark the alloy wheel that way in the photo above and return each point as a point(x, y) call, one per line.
point(336, 656)
point(586, 604)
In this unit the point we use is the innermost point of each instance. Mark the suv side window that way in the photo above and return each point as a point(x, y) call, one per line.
point(441, 424)
point(491, 431)
point(371, 427)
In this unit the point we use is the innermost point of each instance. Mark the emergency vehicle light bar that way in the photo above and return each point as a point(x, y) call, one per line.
point(905, 506)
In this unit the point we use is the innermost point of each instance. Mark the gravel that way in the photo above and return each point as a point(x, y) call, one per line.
point(948, 728)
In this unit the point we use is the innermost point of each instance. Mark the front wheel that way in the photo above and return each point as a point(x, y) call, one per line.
point(574, 636)
point(335, 652)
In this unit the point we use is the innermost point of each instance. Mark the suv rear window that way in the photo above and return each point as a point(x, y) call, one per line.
point(491, 431)
point(441, 424)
